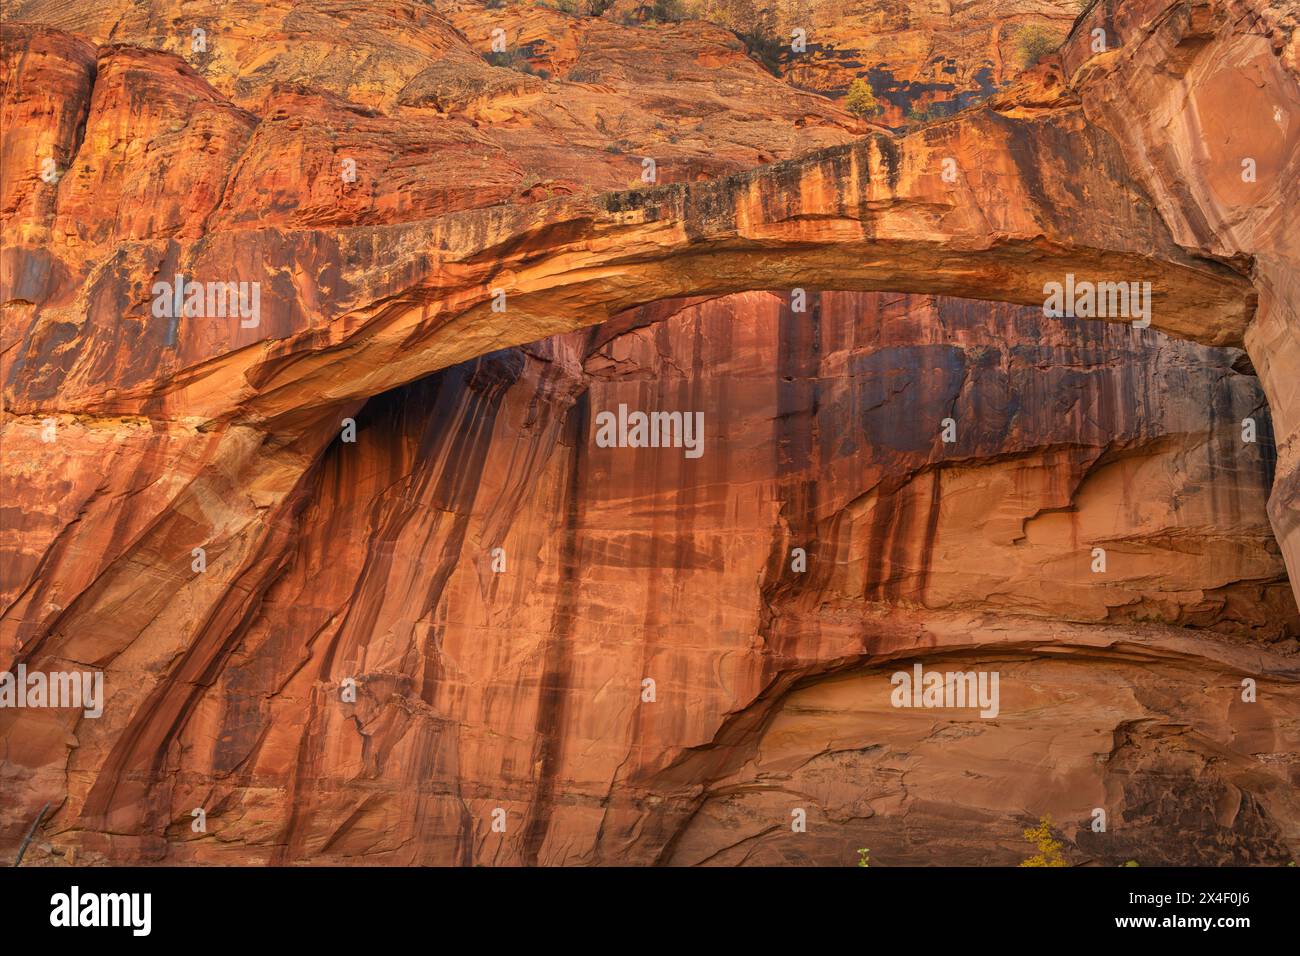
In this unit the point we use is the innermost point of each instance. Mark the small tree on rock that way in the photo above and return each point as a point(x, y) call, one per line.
point(1044, 841)
point(861, 100)
point(1034, 42)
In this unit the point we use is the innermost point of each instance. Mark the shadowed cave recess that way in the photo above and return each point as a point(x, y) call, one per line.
point(821, 432)
point(517, 681)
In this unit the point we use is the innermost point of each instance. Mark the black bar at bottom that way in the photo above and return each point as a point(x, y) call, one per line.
point(361, 906)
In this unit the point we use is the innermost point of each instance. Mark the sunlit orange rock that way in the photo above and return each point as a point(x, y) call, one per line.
point(184, 507)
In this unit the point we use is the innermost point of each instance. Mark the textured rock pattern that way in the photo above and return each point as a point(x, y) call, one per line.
point(1193, 92)
point(523, 690)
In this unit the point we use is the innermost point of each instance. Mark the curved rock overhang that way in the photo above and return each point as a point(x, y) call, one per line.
point(1033, 199)
point(992, 204)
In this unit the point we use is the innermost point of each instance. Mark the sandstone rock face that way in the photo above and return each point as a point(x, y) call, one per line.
point(523, 690)
point(888, 475)
point(923, 60)
point(1214, 134)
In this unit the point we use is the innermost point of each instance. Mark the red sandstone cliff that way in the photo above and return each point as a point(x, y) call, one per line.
point(372, 561)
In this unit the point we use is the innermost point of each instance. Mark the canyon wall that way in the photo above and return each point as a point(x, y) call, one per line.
point(520, 685)
point(1204, 98)
point(498, 587)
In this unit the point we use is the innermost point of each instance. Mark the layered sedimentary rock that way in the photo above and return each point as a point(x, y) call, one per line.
point(473, 223)
point(346, 312)
point(922, 60)
point(519, 685)
point(1204, 99)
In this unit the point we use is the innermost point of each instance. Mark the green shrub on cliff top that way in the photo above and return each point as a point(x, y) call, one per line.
point(1034, 41)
